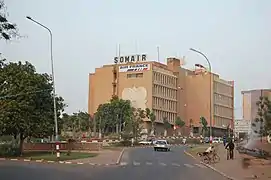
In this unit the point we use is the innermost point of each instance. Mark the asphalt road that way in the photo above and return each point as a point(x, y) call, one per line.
point(138, 163)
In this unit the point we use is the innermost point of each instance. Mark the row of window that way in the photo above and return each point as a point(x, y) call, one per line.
point(161, 114)
point(223, 88)
point(165, 79)
point(221, 122)
point(135, 75)
point(224, 100)
point(164, 91)
point(223, 111)
point(164, 104)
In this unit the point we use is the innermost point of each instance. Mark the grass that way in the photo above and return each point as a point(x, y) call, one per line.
point(49, 156)
point(113, 148)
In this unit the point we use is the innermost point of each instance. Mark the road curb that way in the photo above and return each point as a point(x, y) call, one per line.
point(211, 167)
point(57, 162)
point(120, 156)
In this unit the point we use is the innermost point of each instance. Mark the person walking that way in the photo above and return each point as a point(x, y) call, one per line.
point(231, 147)
point(224, 140)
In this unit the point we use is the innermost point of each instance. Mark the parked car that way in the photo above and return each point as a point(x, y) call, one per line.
point(161, 145)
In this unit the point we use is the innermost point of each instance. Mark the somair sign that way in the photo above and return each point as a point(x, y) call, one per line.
point(134, 68)
point(130, 59)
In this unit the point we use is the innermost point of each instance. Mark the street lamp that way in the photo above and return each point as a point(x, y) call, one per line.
point(210, 69)
point(53, 75)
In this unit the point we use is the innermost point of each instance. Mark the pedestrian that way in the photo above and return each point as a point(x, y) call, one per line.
point(132, 142)
point(231, 146)
point(224, 141)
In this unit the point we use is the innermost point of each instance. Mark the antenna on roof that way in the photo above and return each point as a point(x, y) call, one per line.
point(158, 53)
point(119, 51)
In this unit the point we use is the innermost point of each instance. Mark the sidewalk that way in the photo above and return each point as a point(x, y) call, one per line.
point(258, 169)
point(104, 157)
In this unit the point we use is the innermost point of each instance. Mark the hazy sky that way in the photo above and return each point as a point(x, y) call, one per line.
point(234, 34)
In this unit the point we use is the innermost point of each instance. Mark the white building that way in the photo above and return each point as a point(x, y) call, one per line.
point(242, 126)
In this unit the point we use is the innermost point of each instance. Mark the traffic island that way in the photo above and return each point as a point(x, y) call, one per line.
point(50, 156)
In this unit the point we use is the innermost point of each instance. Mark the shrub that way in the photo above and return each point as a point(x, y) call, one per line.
point(193, 141)
point(9, 150)
point(123, 143)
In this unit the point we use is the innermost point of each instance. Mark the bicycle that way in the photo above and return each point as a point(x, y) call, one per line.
point(209, 158)
point(205, 157)
point(215, 157)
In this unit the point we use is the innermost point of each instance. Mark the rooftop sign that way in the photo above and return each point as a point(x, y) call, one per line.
point(129, 59)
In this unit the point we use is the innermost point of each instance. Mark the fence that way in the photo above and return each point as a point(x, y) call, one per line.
point(63, 146)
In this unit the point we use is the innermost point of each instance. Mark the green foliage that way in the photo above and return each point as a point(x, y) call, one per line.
point(152, 119)
point(148, 112)
point(204, 124)
point(113, 115)
point(9, 150)
point(26, 103)
point(179, 122)
point(7, 29)
point(77, 122)
point(263, 120)
point(167, 125)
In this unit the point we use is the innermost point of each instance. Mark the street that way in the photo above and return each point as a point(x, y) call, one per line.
point(136, 163)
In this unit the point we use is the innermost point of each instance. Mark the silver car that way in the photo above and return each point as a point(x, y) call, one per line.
point(161, 145)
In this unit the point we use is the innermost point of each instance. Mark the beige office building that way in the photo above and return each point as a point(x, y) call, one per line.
point(168, 89)
point(250, 98)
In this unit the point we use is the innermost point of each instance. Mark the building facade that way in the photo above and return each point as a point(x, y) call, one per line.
point(242, 128)
point(211, 97)
point(169, 90)
point(250, 108)
point(250, 99)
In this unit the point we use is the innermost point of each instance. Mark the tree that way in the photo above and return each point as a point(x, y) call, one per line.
point(26, 103)
point(121, 112)
point(167, 125)
point(179, 122)
point(204, 124)
point(114, 115)
point(152, 118)
point(7, 29)
point(77, 123)
point(137, 120)
point(104, 117)
point(262, 124)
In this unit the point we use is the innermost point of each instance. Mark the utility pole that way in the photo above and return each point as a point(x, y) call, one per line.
point(211, 92)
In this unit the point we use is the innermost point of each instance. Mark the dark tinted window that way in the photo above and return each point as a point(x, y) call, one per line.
point(161, 142)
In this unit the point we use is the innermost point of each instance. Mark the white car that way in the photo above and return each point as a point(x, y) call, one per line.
point(161, 145)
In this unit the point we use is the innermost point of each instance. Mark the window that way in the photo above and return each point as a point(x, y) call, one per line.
point(136, 75)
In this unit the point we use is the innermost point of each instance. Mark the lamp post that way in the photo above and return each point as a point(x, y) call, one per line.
point(53, 75)
point(210, 69)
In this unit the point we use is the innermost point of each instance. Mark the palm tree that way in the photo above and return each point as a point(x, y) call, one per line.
point(166, 125)
point(204, 126)
point(152, 118)
point(179, 122)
